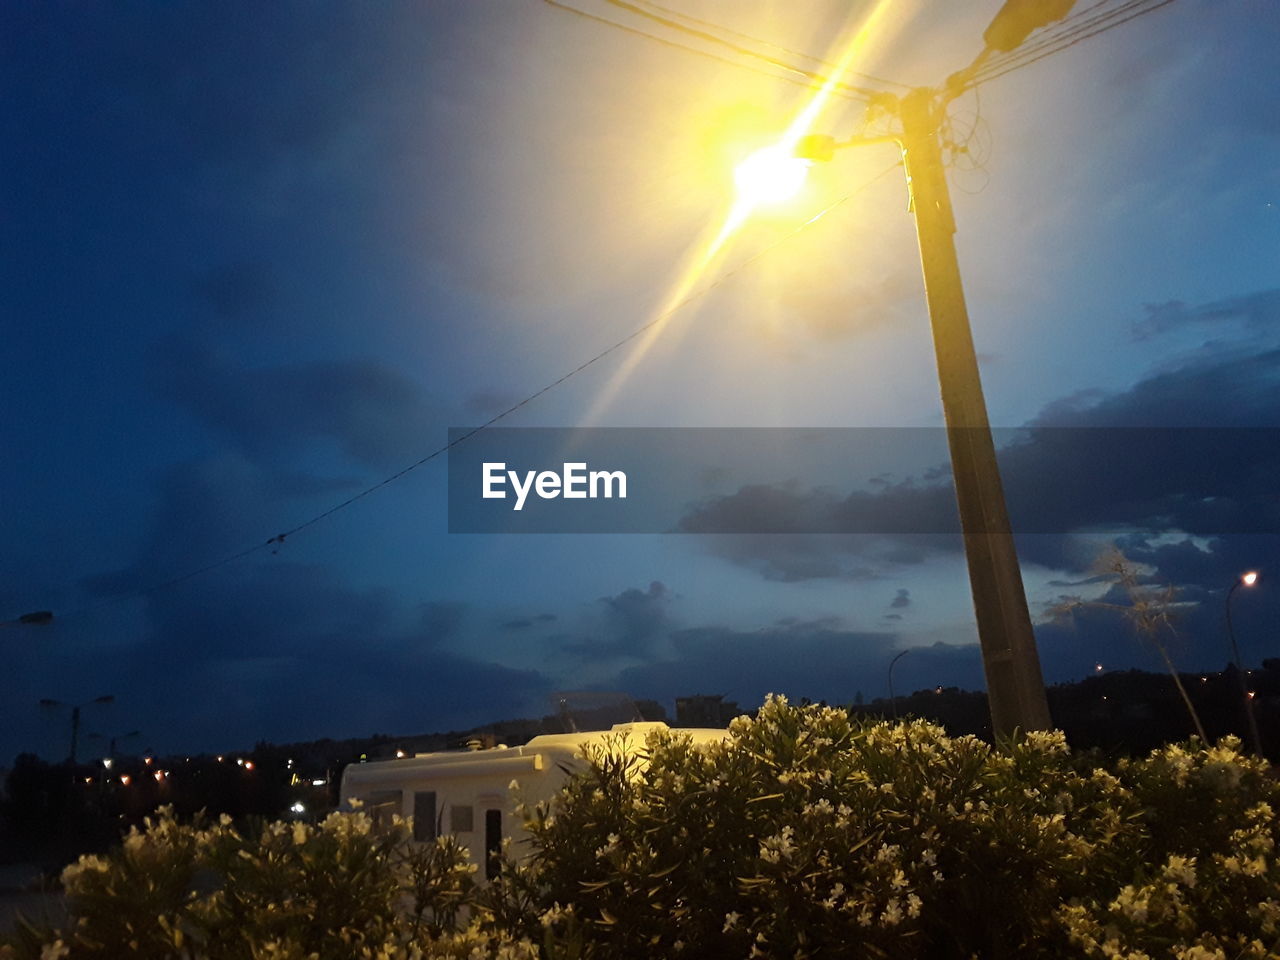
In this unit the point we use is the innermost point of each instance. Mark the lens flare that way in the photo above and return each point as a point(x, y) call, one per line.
point(770, 176)
point(764, 176)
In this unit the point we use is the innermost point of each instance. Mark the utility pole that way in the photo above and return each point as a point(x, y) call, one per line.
point(75, 719)
point(1015, 685)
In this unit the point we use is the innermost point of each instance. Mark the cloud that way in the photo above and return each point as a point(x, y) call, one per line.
point(633, 621)
point(903, 599)
point(526, 623)
point(286, 651)
point(803, 658)
point(1087, 465)
point(234, 290)
point(372, 413)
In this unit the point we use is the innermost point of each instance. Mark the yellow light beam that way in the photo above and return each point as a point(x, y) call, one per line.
point(745, 203)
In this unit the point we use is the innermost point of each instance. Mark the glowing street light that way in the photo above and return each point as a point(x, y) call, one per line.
point(1247, 579)
point(770, 176)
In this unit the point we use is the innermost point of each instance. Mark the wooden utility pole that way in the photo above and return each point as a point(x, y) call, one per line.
point(1015, 685)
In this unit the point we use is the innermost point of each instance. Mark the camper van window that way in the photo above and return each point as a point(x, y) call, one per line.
point(461, 819)
point(492, 843)
point(381, 806)
point(424, 815)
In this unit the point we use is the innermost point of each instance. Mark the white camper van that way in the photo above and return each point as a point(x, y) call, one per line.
point(468, 793)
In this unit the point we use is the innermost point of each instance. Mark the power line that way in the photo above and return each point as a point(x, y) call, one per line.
point(989, 61)
point(1063, 40)
point(1075, 40)
point(675, 45)
point(746, 51)
point(280, 538)
point(689, 18)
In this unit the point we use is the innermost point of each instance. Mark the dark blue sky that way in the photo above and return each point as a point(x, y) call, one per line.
point(258, 257)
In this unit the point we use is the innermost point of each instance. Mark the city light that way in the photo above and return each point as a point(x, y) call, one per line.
point(1250, 578)
point(298, 807)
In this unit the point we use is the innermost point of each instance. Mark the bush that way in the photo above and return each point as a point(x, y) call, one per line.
point(806, 834)
point(286, 891)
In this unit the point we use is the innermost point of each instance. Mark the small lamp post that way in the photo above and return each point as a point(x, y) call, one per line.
point(1246, 579)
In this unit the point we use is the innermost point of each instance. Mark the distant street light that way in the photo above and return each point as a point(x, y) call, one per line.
point(75, 718)
point(1246, 696)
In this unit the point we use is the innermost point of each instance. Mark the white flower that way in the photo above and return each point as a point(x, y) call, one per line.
point(555, 914)
point(89, 863)
point(1181, 870)
point(611, 844)
point(731, 921)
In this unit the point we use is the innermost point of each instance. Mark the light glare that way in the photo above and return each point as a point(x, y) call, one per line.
point(770, 176)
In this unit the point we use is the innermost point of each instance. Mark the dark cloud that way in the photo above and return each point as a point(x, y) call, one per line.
point(903, 599)
point(525, 623)
point(371, 412)
point(278, 651)
point(1091, 462)
point(634, 618)
point(816, 660)
point(441, 620)
point(203, 509)
point(235, 290)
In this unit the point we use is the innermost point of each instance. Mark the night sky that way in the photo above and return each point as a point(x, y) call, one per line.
point(260, 257)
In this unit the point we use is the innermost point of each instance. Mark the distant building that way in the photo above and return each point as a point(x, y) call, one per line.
point(705, 710)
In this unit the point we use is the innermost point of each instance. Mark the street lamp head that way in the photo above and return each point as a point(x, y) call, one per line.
point(1250, 578)
point(817, 147)
point(769, 176)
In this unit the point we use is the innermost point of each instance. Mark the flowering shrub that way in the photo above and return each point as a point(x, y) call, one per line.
point(289, 891)
point(803, 834)
point(806, 834)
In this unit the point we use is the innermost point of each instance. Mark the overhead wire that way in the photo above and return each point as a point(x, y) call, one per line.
point(279, 539)
point(817, 78)
point(689, 18)
point(1071, 31)
point(1092, 15)
point(1064, 40)
point(673, 44)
